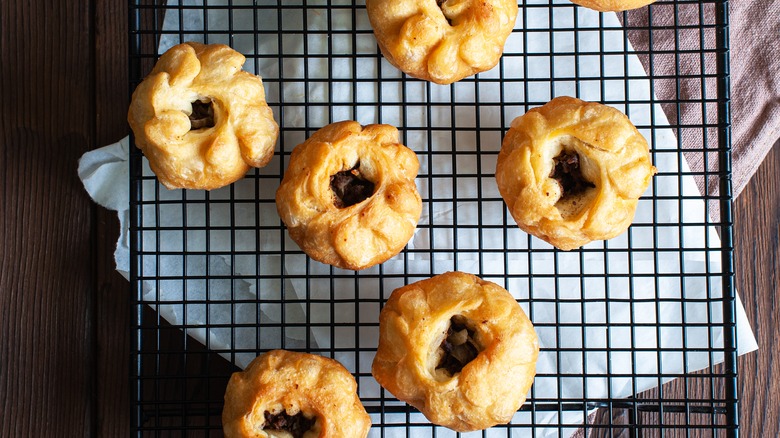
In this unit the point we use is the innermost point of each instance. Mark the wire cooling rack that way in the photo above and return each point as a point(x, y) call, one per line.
point(218, 281)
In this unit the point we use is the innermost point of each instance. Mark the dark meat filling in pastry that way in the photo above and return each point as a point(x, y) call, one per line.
point(202, 115)
point(350, 188)
point(569, 175)
point(296, 425)
point(459, 346)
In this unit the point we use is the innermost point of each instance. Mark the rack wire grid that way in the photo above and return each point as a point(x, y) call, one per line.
point(218, 281)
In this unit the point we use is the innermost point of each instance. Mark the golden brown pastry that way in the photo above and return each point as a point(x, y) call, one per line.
point(612, 5)
point(459, 349)
point(573, 171)
point(285, 394)
point(348, 196)
point(200, 120)
point(442, 41)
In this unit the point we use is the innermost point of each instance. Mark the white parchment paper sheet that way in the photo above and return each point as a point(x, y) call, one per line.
point(626, 308)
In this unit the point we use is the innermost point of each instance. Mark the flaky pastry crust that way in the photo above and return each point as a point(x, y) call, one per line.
point(612, 5)
point(286, 383)
point(612, 162)
point(442, 41)
point(234, 130)
point(368, 231)
point(490, 388)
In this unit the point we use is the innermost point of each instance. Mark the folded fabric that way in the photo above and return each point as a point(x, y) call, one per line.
point(689, 53)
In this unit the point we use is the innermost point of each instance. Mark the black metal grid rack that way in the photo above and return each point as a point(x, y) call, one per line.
point(217, 280)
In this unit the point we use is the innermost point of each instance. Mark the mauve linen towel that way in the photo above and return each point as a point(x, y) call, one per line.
point(754, 44)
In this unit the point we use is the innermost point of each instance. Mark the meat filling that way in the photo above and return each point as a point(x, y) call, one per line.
point(296, 425)
point(202, 115)
point(569, 175)
point(350, 188)
point(459, 346)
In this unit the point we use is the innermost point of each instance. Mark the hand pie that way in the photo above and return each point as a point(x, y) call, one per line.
point(459, 349)
point(572, 172)
point(298, 395)
point(200, 120)
point(348, 196)
point(612, 5)
point(442, 41)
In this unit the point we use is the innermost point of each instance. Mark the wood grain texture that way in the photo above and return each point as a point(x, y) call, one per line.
point(113, 310)
point(46, 224)
point(757, 258)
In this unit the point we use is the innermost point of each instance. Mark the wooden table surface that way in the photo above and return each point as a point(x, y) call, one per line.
point(65, 314)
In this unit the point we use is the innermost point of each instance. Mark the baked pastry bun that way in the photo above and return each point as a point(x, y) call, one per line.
point(573, 171)
point(200, 120)
point(458, 348)
point(442, 41)
point(348, 196)
point(612, 5)
point(283, 394)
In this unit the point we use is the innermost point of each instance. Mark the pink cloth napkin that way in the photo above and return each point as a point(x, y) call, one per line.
point(754, 27)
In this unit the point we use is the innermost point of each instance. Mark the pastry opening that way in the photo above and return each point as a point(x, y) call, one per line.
point(440, 4)
point(295, 425)
point(459, 346)
point(202, 115)
point(569, 175)
point(350, 187)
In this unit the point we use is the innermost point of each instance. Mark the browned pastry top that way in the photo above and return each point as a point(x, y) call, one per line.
point(612, 5)
point(442, 41)
point(573, 171)
point(458, 348)
point(200, 120)
point(348, 196)
point(283, 394)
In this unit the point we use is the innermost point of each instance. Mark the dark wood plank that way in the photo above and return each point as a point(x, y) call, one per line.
point(112, 292)
point(757, 257)
point(46, 224)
